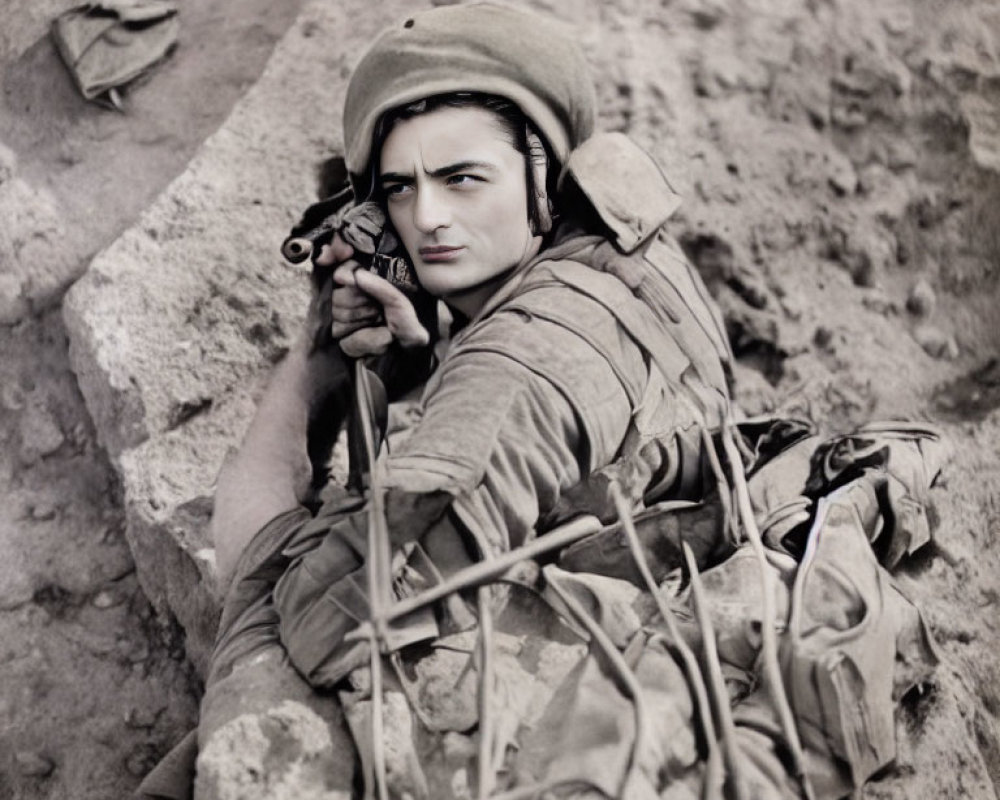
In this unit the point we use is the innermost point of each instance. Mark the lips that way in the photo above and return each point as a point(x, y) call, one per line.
point(439, 252)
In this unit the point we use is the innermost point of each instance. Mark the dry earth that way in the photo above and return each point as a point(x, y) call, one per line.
point(840, 162)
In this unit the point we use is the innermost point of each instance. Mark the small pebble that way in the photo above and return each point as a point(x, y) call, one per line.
point(822, 337)
point(862, 269)
point(79, 433)
point(141, 760)
point(136, 652)
point(104, 599)
point(142, 717)
point(841, 175)
point(34, 765)
point(43, 509)
point(936, 343)
point(922, 299)
point(877, 301)
point(40, 433)
point(12, 397)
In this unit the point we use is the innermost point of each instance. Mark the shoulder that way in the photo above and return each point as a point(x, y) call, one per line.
point(561, 323)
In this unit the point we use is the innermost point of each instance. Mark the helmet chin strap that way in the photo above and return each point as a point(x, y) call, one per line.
point(539, 205)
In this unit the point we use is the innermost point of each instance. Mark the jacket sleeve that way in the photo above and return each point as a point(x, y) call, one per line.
point(516, 416)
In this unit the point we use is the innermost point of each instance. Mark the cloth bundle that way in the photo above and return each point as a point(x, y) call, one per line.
point(110, 43)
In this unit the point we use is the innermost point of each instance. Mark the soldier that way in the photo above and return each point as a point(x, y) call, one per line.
point(580, 352)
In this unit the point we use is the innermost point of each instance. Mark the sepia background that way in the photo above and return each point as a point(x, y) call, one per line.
point(840, 166)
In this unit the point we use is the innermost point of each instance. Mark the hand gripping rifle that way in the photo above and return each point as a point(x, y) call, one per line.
point(363, 226)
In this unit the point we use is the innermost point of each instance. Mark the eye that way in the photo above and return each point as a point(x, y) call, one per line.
point(463, 179)
point(396, 189)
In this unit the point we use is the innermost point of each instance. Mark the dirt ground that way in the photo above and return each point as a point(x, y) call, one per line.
point(862, 284)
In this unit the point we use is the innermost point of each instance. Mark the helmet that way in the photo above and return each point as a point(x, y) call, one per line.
point(479, 47)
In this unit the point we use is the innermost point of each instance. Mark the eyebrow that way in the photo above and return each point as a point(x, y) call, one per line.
point(440, 172)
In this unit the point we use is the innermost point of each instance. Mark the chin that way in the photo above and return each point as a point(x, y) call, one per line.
point(440, 279)
point(438, 288)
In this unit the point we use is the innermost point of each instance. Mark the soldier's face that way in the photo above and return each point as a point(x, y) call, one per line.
point(456, 194)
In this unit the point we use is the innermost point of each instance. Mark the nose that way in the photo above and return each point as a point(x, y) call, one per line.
point(430, 209)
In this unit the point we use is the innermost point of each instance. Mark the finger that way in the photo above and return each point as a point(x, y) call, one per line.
point(343, 275)
point(367, 313)
point(400, 315)
point(334, 252)
point(351, 297)
point(341, 330)
point(366, 342)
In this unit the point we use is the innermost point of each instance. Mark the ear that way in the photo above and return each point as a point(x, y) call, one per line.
point(538, 165)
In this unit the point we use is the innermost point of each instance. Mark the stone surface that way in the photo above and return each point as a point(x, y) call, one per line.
point(35, 265)
point(173, 323)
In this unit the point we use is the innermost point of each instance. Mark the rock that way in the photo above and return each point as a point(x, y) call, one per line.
point(13, 304)
point(143, 717)
point(900, 154)
point(749, 284)
point(169, 360)
point(720, 71)
point(921, 300)
point(133, 650)
point(841, 175)
point(802, 95)
point(897, 19)
point(867, 252)
point(881, 303)
point(811, 161)
point(859, 263)
point(37, 261)
point(848, 117)
point(823, 337)
point(17, 581)
point(106, 599)
point(34, 765)
point(141, 759)
point(936, 343)
point(12, 396)
point(982, 113)
point(43, 508)
point(40, 432)
point(706, 14)
point(872, 74)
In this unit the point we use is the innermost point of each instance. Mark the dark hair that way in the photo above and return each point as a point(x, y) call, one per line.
point(511, 121)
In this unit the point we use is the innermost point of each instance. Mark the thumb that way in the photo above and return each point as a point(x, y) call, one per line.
point(400, 315)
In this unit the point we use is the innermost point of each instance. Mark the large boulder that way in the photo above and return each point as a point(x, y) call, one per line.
point(173, 324)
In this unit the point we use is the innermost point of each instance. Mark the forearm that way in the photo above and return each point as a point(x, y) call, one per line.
point(271, 471)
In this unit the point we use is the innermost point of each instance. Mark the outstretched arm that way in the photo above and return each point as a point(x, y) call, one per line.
point(272, 472)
